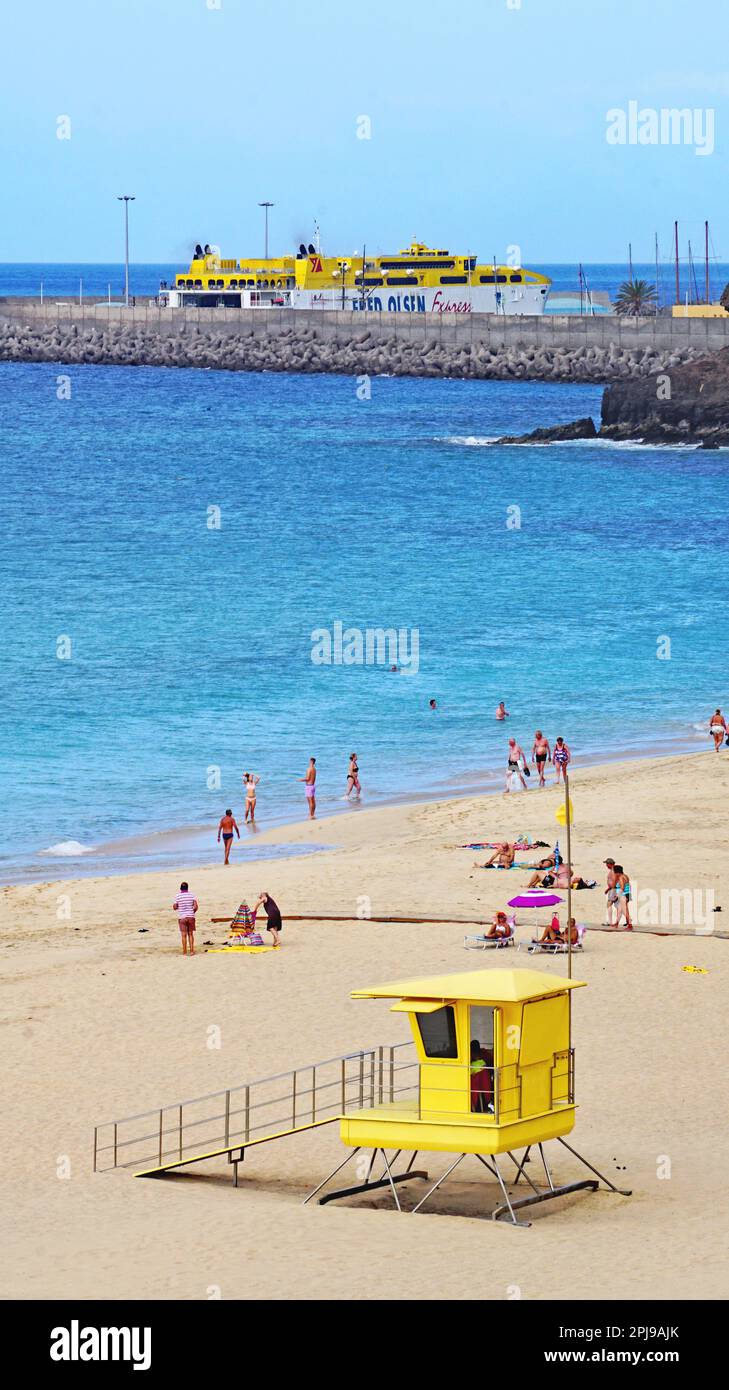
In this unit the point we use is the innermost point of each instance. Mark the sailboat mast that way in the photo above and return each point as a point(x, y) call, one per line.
point(706, 259)
point(678, 282)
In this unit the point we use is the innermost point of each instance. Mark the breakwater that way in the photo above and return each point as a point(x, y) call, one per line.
point(480, 346)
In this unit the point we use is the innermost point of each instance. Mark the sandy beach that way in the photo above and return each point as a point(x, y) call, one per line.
point(102, 1019)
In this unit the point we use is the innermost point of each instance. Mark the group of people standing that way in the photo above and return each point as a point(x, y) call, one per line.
point(542, 753)
point(186, 906)
point(228, 825)
point(617, 893)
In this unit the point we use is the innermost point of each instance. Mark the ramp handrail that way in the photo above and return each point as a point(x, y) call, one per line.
point(359, 1079)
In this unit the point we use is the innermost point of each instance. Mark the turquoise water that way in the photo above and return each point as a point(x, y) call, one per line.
point(190, 647)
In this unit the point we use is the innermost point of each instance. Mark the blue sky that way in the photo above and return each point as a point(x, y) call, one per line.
point(488, 125)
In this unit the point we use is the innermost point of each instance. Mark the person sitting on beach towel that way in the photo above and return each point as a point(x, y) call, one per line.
point(503, 855)
point(554, 878)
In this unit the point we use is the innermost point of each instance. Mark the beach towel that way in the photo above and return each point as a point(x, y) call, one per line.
point(521, 844)
point(510, 866)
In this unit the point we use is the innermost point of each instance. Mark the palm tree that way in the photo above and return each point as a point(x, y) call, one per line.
point(636, 297)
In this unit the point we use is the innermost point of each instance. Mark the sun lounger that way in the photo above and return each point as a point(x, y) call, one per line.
point(485, 943)
point(557, 948)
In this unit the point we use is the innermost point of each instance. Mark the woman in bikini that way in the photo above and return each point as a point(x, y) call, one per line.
point(250, 782)
point(561, 758)
point(622, 904)
point(717, 729)
point(353, 778)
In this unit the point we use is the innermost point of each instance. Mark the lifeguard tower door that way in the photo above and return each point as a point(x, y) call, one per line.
point(544, 1054)
point(443, 1077)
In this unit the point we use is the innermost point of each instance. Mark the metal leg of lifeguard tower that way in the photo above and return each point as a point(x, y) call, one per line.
point(512, 1205)
point(388, 1179)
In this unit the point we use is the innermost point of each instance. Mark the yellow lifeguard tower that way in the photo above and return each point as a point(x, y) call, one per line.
point(493, 1072)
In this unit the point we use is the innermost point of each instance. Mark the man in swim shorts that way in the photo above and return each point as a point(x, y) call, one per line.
point(516, 758)
point(611, 892)
point(227, 825)
point(503, 855)
point(186, 905)
point(541, 751)
point(310, 787)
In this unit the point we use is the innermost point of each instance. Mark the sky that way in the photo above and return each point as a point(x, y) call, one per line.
point(485, 126)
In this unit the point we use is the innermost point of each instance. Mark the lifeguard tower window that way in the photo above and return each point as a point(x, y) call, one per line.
point(438, 1032)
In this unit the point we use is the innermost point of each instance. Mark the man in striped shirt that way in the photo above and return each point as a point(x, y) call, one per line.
point(186, 905)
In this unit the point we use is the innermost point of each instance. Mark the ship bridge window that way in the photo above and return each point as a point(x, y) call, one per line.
point(489, 279)
point(424, 264)
point(515, 279)
point(454, 279)
point(371, 280)
point(198, 284)
point(396, 280)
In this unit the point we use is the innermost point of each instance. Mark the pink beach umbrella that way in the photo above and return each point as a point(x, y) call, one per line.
point(536, 897)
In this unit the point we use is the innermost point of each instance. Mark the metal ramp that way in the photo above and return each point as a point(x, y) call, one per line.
point(224, 1124)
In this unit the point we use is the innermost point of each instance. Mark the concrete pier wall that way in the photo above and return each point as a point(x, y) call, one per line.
point(480, 346)
point(447, 330)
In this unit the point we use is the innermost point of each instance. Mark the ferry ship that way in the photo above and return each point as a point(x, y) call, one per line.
point(417, 280)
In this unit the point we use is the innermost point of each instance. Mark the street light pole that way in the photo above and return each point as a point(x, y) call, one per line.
point(126, 199)
point(266, 206)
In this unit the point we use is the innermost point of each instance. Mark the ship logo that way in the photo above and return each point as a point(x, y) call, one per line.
point(316, 264)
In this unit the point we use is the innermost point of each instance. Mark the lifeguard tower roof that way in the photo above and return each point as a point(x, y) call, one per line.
point(494, 986)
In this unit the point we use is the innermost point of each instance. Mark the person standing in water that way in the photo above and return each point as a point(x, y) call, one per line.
point(310, 787)
point(561, 758)
point(516, 759)
point(541, 751)
point(353, 778)
point(501, 711)
point(228, 824)
point(250, 782)
point(717, 729)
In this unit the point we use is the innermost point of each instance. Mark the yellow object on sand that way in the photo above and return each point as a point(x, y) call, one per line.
point(522, 1019)
point(241, 950)
point(561, 813)
point(694, 970)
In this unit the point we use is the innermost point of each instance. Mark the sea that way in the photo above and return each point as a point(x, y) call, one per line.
point(192, 562)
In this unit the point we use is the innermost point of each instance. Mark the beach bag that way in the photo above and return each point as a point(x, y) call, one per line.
point(254, 939)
